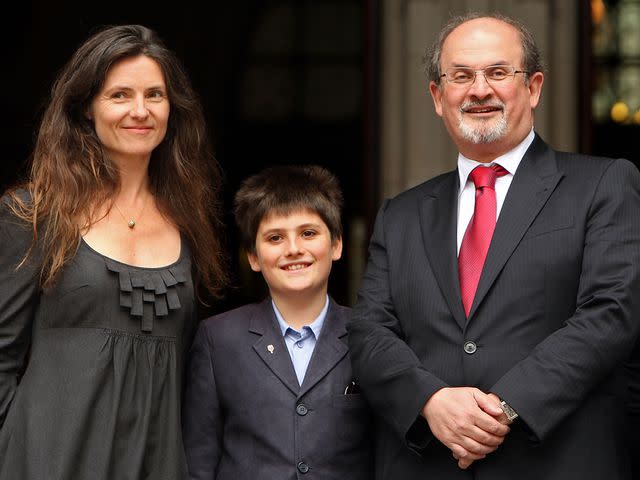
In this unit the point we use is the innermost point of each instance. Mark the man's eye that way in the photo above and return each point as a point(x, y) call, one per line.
point(462, 75)
point(119, 95)
point(497, 73)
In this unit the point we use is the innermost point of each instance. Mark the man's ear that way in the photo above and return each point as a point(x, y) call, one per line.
point(253, 261)
point(536, 80)
point(436, 95)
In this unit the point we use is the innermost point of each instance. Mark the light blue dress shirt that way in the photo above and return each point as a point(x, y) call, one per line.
point(301, 343)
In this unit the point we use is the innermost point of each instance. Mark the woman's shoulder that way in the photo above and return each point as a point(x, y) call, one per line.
point(14, 205)
point(15, 197)
point(16, 232)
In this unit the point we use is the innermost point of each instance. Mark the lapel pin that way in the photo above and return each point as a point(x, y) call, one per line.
point(270, 348)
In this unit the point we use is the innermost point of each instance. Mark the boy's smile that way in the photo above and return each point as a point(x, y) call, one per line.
point(294, 252)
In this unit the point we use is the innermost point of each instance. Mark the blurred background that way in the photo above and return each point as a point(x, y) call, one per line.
point(337, 83)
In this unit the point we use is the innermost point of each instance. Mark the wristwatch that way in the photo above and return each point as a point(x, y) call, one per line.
point(508, 411)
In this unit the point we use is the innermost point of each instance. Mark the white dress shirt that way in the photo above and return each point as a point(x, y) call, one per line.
point(466, 198)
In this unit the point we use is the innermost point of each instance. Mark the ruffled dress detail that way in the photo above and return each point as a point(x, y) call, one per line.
point(148, 293)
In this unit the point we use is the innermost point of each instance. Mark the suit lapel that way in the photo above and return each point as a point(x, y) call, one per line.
point(438, 221)
point(270, 345)
point(534, 182)
point(330, 348)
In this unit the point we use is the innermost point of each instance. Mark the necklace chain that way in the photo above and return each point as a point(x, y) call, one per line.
point(131, 223)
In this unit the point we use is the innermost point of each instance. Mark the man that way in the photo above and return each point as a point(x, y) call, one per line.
point(633, 411)
point(496, 354)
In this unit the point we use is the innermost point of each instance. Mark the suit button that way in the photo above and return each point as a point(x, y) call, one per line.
point(470, 347)
point(301, 409)
point(303, 467)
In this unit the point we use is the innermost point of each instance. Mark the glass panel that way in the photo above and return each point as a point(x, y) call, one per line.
point(333, 28)
point(616, 54)
point(332, 92)
point(629, 28)
point(275, 32)
point(268, 92)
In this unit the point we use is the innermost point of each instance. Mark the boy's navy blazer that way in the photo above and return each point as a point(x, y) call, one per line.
point(246, 417)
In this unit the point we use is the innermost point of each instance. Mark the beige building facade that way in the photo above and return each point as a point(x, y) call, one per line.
point(414, 145)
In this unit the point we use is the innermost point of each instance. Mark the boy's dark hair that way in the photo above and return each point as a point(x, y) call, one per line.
point(284, 190)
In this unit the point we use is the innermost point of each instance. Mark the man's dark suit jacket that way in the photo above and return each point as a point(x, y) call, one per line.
point(633, 411)
point(246, 417)
point(556, 312)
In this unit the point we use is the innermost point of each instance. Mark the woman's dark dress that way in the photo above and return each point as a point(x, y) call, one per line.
point(102, 355)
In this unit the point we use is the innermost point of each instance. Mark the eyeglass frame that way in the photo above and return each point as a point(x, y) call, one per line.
point(482, 70)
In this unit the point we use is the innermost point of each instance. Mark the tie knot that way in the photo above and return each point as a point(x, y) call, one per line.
point(486, 176)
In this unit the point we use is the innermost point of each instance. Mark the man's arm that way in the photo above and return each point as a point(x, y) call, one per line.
point(553, 380)
point(396, 383)
point(632, 367)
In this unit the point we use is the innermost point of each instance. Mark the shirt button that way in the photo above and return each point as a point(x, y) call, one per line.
point(301, 409)
point(300, 344)
point(303, 467)
point(470, 347)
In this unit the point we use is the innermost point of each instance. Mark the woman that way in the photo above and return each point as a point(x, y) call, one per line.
point(102, 252)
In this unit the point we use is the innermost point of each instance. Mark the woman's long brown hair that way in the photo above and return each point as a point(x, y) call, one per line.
point(72, 177)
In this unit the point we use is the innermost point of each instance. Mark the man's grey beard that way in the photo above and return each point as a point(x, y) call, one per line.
point(483, 133)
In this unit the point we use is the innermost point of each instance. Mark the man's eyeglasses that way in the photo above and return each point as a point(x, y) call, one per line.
point(492, 74)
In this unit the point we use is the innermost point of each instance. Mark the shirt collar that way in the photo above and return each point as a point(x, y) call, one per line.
point(509, 161)
point(315, 326)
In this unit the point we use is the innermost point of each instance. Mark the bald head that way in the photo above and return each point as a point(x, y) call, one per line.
point(487, 96)
point(531, 58)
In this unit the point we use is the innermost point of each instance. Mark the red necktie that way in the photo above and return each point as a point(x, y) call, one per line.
point(477, 237)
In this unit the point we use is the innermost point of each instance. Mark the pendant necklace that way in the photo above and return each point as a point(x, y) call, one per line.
point(131, 223)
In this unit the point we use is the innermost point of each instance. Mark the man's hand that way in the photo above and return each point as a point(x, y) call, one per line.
point(466, 421)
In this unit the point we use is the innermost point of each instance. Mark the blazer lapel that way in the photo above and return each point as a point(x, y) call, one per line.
point(270, 345)
point(438, 221)
point(330, 348)
point(534, 182)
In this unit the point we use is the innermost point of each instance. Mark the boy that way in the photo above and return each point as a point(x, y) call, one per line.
point(270, 392)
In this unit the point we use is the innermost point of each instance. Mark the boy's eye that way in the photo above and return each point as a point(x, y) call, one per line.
point(274, 238)
point(308, 233)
